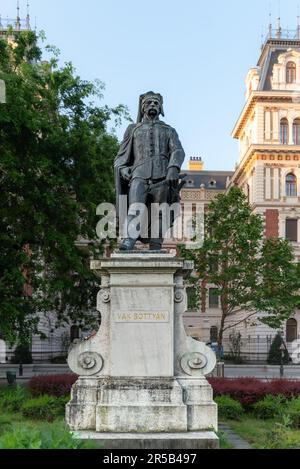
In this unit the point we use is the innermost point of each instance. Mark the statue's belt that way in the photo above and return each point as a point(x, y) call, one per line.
point(133, 168)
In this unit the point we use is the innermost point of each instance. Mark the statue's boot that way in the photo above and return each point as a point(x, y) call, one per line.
point(156, 244)
point(128, 244)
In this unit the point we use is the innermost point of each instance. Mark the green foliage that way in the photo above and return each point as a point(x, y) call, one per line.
point(249, 272)
point(269, 407)
point(45, 407)
point(12, 399)
point(278, 282)
point(224, 443)
point(281, 436)
point(56, 167)
point(275, 356)
point(267, 434)
point(293, 412)
point(56, 436)
point(229, 408)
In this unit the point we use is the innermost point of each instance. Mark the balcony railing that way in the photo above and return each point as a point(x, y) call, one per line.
point(6, 23)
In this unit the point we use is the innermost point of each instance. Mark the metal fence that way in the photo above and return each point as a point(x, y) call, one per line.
point(49, 356)
point(250, 350)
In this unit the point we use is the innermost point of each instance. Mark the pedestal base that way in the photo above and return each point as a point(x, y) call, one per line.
point(157, 441)
point(141, 405)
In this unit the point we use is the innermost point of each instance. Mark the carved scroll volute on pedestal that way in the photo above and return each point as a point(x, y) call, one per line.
point(199, 361)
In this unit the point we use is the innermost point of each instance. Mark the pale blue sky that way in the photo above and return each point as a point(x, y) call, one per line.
point(196, 53)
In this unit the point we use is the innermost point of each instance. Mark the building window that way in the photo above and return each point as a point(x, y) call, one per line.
point(192, 298)
point(291, 72)
point(213, 298)
point(296, 131)
point(214, 334)
point(291, 185)
point(291, 330)
point(291, 230)
point(284, 132)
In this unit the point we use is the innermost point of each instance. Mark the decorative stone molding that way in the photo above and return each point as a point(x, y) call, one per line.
point(105, 296)
point(91, 362)
point(199, 195)
point(193, 363)
point(179, 296)
point(199, 361)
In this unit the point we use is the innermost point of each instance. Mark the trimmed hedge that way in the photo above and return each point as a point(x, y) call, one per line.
point(249, 391)
point(52, 385)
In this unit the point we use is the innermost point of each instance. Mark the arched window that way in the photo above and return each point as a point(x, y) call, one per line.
point(291, 72)
point(214, 334)
point(291, 330)
point(284, 132)
point(291, 185)
point(296, 131)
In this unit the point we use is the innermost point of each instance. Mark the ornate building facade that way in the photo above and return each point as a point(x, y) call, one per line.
point(268, 170)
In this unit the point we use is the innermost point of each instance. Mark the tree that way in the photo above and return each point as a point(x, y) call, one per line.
point(249, 272)
point(56, 166)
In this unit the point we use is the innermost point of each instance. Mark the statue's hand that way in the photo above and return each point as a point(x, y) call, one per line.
point(173, 176)
point(126, 174)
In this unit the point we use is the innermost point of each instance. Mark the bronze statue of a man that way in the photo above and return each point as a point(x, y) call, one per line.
point(148, 164)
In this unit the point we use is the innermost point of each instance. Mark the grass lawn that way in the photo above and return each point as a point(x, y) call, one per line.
point(27, 423)
point(264, 434)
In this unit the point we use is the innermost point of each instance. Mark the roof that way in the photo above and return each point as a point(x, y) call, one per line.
point(214, 180)
point(269, 57)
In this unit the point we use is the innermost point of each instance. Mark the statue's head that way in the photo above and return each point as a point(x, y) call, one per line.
point(151, 105)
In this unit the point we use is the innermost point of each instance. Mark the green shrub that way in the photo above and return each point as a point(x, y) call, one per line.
point(269, 407)
point(229, 408)
point(293, 412)
point(12, 399)
point(56, 436)
point(45, 407)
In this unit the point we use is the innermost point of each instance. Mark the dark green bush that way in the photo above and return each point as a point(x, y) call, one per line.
point(229, 408)
point(269, 407)
point(45, 407)
point(12, 399)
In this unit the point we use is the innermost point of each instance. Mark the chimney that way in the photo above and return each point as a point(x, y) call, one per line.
point(195, 164)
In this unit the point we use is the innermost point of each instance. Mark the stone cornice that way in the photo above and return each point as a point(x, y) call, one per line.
point(263, 149)
point(256, 97)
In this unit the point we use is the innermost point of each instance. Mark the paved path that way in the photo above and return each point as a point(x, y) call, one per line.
point(233, 438)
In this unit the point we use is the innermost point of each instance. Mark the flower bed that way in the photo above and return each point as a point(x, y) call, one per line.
point(249, 391)
point(52, 385)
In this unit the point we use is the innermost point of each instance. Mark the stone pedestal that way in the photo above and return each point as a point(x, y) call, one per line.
point(141, 374)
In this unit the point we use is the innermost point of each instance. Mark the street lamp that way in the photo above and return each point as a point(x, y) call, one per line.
point(282, 350)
